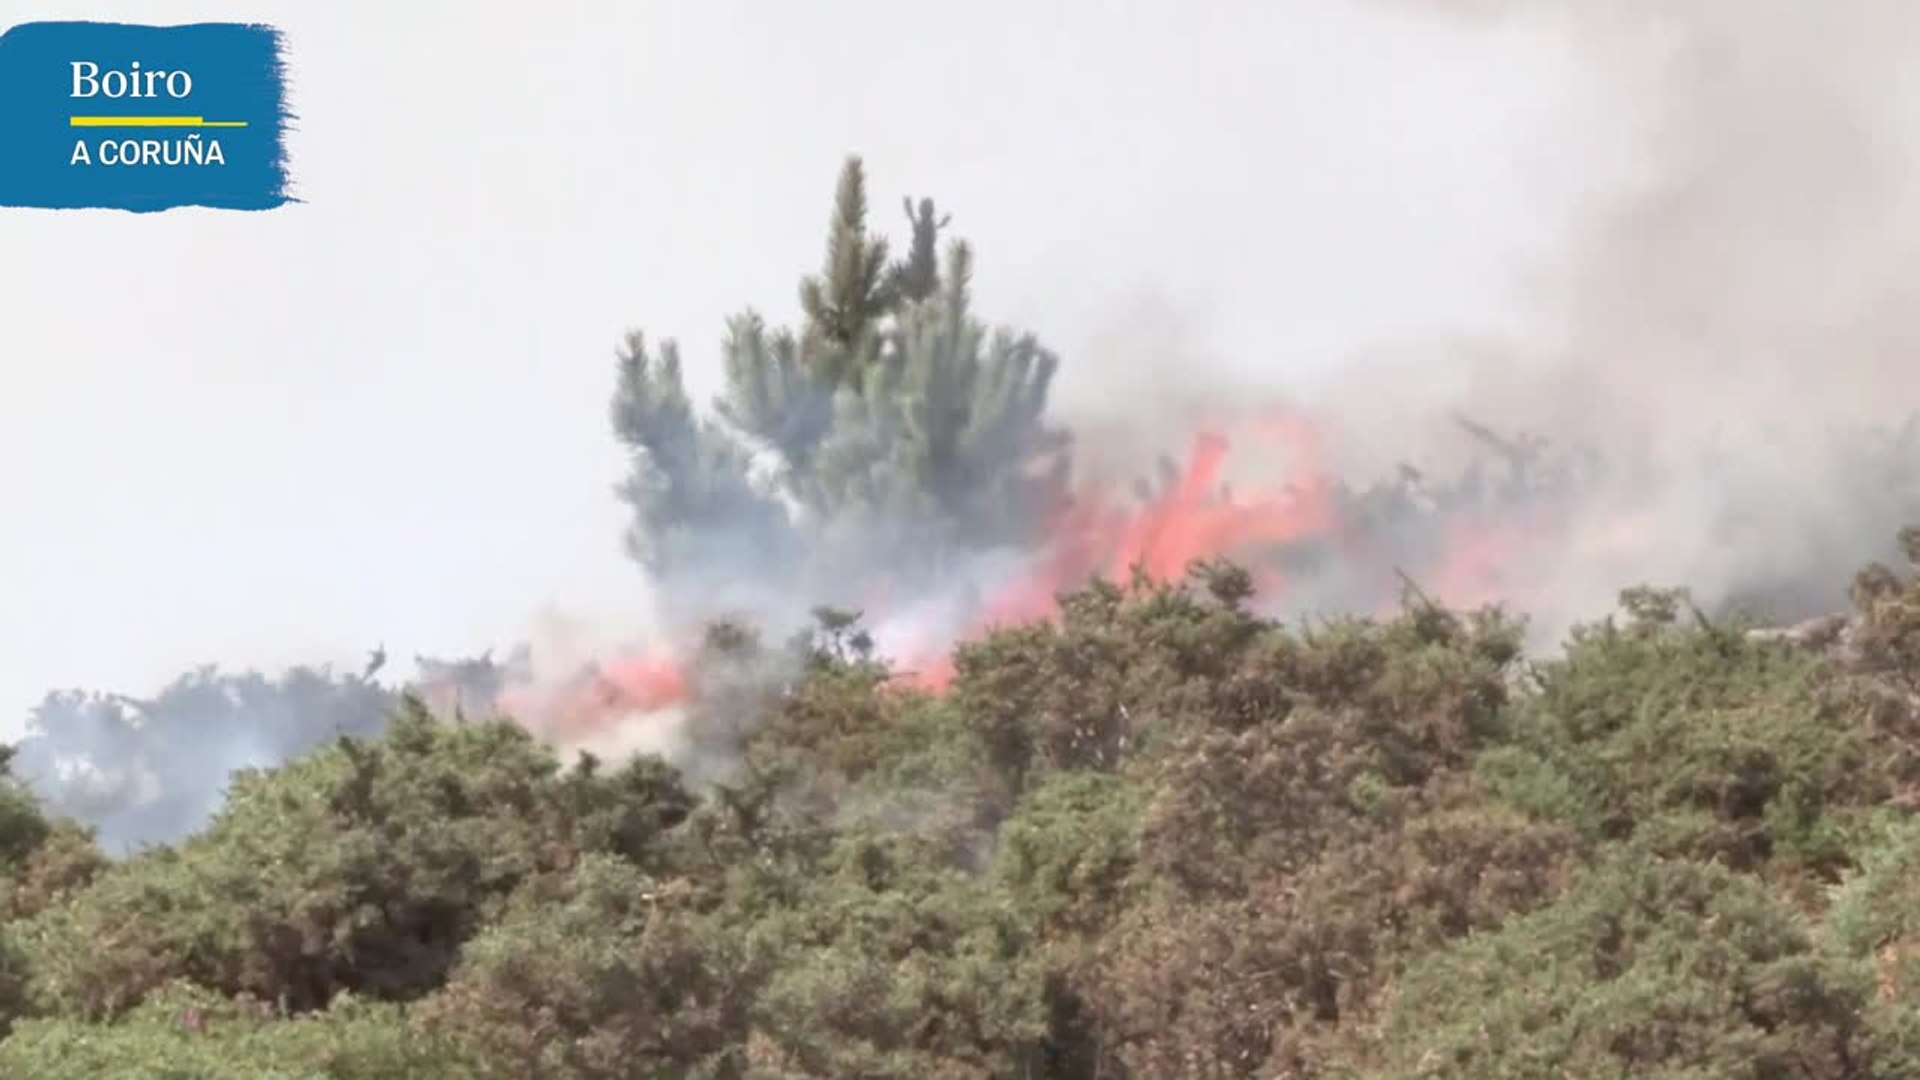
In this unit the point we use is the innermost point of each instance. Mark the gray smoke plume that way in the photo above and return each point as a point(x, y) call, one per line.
point(152, 770)
point(1733, 336)
point(155, 769)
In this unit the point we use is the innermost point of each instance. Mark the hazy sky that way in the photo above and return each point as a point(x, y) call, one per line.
point(278, 437)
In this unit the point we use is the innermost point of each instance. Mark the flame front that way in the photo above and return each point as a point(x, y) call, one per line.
point(1195, 517)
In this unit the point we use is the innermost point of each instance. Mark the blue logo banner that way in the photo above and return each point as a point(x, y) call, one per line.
point(143, 118)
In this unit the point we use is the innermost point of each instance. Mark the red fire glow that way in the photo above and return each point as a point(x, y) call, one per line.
point(1192, 520)
point(1195, 518)
point(619, 687)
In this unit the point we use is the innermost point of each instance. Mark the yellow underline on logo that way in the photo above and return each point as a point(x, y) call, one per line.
point(151, 121)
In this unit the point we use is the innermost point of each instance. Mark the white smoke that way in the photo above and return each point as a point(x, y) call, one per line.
point(1733, 323)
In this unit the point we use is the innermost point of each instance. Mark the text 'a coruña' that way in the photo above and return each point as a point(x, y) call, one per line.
point(191, 150)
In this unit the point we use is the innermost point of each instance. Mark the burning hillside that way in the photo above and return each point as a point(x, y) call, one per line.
point(1311, 543)
point(1512, 528)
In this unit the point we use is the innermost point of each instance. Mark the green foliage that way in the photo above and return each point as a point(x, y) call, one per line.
point(1067, 858)
point(891, 429)
point(23, 825)
point(1696, 741)
point(65, 860)
point(1157, 836)
point(362, 867)
point(1119, 669)
point(41, 862)
point(893, 964)
point(840, 714)
point(1646, 967)
point(1889, 635)
point(1288, 975)
point(1876, 916)
point(935, 440)
point(601, 973)
point(853, 290)
point(689, 487)
point(1366, 718)
point(186, 1033)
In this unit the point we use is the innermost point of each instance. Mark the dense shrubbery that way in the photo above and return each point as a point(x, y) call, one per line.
point(1158, 837)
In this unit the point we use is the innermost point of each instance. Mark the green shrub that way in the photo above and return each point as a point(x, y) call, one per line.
point(1645, 967)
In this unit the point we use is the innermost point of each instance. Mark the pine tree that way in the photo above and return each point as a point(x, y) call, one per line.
point(944, 428)
point(845, 303)
point(891, 430)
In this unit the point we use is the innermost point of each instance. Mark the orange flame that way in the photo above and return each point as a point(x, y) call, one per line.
point(1194, 519)
point(1191, 521)
point(622, 686)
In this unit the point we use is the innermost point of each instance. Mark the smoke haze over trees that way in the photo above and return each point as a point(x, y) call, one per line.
point(970, 753)
point(893, 456)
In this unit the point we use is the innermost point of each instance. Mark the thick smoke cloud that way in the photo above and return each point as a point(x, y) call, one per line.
point(1732, 336)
